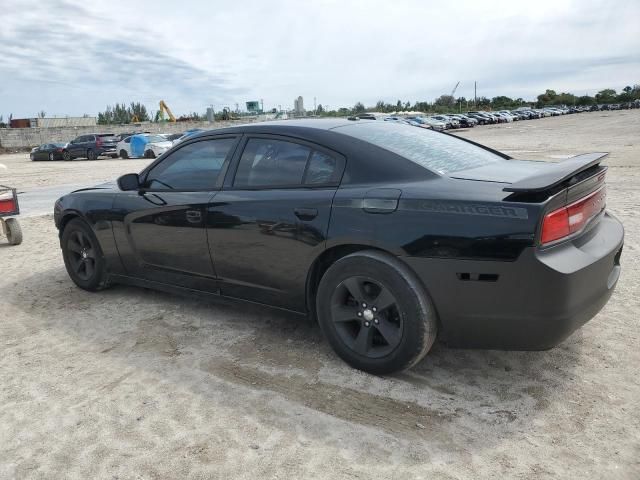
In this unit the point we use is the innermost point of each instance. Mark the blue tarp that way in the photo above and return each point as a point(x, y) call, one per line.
point(138, 143)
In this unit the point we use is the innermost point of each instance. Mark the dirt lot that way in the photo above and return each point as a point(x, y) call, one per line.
point(17, 170)
point(130, 383)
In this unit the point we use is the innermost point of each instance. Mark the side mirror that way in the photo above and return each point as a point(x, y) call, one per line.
point(128, 182)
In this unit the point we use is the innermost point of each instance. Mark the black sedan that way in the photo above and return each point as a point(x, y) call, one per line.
point(48, 151)
point(388, 235)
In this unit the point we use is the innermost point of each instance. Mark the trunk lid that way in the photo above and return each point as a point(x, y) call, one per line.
point(572, 193)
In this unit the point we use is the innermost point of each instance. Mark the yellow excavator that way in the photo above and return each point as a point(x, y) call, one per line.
point(165, 108)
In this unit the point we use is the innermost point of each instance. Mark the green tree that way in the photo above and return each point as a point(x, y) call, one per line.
point(444, 101)
point(585, 100)
point(501, 102)
point(319, 109)
point(358, 108)
point(608, 95)
point(139, 110)
point(548, 97)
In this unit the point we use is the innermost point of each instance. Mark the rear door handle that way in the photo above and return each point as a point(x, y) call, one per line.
point(306, 213)
point(194, 216)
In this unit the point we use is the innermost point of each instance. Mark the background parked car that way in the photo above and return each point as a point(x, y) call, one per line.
point(450, 122)
point(48, 151)
point(91, 146)
point(465, 121)
point(151, 146)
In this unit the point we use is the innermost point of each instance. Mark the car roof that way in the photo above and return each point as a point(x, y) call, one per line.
point(275, 125)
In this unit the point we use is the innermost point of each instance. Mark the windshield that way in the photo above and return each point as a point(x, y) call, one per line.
point(436, 151)
point(156, 138)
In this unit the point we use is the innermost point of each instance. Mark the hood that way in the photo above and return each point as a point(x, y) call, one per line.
point(112, 185)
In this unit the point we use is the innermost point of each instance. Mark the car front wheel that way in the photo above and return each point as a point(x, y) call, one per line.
point(66, 156)
point(91, 155)
point(124, 154)
point(83, 256)
point(375, 313)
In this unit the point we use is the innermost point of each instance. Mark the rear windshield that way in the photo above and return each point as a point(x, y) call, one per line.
point(437, 152)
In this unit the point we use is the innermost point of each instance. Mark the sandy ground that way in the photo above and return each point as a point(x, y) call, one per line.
point(130, 383)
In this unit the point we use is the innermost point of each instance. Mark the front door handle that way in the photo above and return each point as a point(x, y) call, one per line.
point(306, 213)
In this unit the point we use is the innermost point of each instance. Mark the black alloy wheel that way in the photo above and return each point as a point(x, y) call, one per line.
point(366, 316)
point(82, 254)
point(66, 156)
point(375, 313)
point(91, 155)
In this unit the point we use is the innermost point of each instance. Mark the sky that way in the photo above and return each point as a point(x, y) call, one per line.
point(68, 57)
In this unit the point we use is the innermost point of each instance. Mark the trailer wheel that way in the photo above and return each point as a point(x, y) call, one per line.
point(14, 232)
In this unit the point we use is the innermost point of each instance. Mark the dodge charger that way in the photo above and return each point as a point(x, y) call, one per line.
point(387, 235)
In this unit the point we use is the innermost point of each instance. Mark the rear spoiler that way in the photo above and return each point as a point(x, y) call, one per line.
point(556, 174)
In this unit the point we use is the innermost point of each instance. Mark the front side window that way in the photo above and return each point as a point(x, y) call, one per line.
point(271, 163)
point(195, 166)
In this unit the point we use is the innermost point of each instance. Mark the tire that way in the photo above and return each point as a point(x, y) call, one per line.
point(32, 157)
point(124, 154)
point(52, 157)
point(83, 257)
point(393, 336)
point(66, 156)
point(149, 154)
point(91, 155)
point(14, 231)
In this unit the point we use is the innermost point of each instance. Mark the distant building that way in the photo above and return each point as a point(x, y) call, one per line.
point(298, 106)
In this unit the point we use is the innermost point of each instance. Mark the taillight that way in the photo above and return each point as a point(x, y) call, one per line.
point(59, 149)
point(98, 142)
point(572, 218)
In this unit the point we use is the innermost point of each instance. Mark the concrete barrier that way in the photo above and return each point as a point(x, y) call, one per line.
point(30, 137)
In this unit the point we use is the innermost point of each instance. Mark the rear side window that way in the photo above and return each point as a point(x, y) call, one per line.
point(437, 152)
point(321, 169)
point(195, 166)
point(273, 163)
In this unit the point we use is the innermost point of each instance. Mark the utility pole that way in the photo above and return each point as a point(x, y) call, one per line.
point(475, 94)
point(315, 109)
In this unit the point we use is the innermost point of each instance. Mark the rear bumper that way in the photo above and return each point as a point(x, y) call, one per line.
point(533, 303)
point(107, 150)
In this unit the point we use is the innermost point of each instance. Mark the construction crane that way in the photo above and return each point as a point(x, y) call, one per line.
point(453, 92)
point(165, 108)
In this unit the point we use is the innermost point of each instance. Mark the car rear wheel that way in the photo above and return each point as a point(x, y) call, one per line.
point(124, 154)
point(66, 156)
point(149, 154)
point(375, 313)
point(52, 157)
point(91, 155)
point(83, 256)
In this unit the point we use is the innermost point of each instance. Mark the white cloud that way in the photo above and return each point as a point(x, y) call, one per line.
point(74, 58)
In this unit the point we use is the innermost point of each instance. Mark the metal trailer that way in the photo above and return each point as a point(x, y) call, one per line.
point(9, 208)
